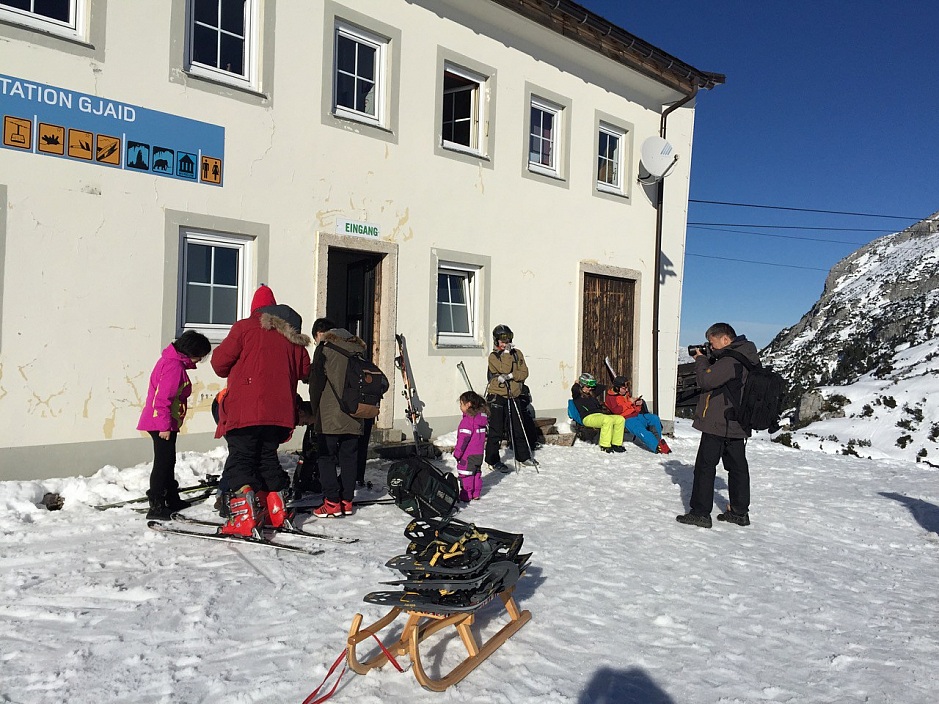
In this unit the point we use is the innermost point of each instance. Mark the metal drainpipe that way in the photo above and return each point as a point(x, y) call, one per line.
point(658, 258)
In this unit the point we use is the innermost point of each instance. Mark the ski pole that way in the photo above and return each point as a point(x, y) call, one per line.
point(521, 425)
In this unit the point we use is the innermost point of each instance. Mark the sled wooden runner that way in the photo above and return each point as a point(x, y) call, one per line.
point(420, 626)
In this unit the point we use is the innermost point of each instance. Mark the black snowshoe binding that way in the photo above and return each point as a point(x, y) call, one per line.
point(426, 531)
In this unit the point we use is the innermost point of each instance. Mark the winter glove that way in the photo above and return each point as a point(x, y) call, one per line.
point(503, 378)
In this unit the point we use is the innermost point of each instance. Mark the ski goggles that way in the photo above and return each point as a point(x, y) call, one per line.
point(589, 383)
point(504, 338)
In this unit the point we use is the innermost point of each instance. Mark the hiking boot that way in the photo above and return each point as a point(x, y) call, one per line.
point(617, 448)
point(328, 509)
point(499, 467)
point(607, 449)
point(243, 513)
point(159, 511)
point(730, 516)
point(694, 519)
point(663, 448)
point(347, 508)
point(530, 462)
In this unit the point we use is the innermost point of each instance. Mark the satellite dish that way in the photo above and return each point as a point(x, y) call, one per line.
point(657, 159)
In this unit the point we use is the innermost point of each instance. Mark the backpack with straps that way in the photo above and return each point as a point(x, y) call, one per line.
point(363, 386)
point(761, 397)
point(421, 489)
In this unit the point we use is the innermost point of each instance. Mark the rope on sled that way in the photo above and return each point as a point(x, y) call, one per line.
point(312, 698)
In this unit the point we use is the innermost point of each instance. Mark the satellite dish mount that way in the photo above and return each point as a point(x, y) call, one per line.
point(657, 159)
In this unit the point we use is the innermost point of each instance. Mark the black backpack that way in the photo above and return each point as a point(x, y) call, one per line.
point(363, 386)
point(761, 397)
point(420, 489)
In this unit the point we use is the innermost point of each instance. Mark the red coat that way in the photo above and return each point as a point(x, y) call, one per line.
point(263, 358)
point(623, 405)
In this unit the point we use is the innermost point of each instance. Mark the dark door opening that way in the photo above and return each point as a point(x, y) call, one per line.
point(353, 292)
point(609, 314)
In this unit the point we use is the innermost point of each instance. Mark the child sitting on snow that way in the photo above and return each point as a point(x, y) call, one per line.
point(645, 426)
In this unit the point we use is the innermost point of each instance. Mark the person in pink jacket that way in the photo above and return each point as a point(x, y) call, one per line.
point(471, 444)
point(163, 414)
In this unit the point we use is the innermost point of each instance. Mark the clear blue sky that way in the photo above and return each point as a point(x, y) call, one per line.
point(827, 105)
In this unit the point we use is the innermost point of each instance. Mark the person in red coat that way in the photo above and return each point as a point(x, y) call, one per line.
point(263, 357)
point(645, 426)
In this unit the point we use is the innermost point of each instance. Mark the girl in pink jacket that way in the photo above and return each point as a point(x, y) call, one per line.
point(471, 444)
point(163, 414)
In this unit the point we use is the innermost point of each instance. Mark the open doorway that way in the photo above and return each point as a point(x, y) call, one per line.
point(609, 320)
point(353, 293)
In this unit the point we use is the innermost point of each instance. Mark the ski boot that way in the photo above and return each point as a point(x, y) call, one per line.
point(663, 448)
point(243, 514)
point(272, 505)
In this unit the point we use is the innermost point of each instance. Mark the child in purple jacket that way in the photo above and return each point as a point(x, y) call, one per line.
point(163, 414)
point(471, 444)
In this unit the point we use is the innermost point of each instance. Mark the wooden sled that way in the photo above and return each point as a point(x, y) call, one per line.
point(420, 626)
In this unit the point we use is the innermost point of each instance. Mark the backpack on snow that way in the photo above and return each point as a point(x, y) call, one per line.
point(363, 386)
point(420, 489)
point(761, 397)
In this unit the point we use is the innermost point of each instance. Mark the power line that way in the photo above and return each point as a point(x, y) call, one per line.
point(782, 237)
point(750, 261)
point(803, 210)
point(791, 227)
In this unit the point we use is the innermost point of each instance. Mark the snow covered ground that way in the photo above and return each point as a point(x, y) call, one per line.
point(829, 596)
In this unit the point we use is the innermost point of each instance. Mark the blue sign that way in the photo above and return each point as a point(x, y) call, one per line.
point(58, 122)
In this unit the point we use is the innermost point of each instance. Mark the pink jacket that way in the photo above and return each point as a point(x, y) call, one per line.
point(470, 438)
point(169, 390)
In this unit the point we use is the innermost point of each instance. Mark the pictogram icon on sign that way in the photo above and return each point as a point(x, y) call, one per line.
point(51, 139)
point(186, 164)
point(163, 160)
point(17, 132)
point(79, 144)
point(211, 170)
point(108, 150)
point(138, 155)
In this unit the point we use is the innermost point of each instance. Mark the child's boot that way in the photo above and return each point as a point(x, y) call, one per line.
point(158, 510)
point(243, 512)
point(173, 502)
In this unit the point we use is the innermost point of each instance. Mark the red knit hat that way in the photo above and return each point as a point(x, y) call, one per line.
point(262, 297)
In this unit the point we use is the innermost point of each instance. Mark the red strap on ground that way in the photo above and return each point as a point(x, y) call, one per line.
point(312, 698)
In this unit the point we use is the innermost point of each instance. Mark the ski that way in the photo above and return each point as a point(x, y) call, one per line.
point(609, 368)
point(207, 486)
point(412, 412)
point(283, 529)
point(305, 506)
point(469, 386)
point(235, 539)
point(207, 494)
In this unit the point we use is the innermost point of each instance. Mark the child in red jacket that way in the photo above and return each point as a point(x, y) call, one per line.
point(645, 426)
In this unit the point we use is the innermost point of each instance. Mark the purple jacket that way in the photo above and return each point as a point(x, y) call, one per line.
point(470, 438)
point(169, 389)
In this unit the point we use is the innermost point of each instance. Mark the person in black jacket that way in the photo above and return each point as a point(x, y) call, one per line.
point(593, 414)
point(720, 378)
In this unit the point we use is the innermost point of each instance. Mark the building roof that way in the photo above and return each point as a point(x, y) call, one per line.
point(585, 27)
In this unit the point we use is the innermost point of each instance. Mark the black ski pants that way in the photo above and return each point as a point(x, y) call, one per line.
point(252, 458)
point(338, 451)
point(505, 412)
point(162, 476)
point(733, 453)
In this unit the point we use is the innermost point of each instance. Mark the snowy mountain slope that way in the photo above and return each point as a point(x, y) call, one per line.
point(828, 597)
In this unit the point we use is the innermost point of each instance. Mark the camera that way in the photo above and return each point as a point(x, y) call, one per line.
point(704, 349)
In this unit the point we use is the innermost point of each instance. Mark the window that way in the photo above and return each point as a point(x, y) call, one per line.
point(359, 65)
point(462, 91)
point(610, 158)
point(60, 16)
point(542, 143)
point(222, 42)
point(213, 281)
point(456, 304)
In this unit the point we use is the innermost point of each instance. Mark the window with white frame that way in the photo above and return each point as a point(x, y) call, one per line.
point(461, 120)
point(214, 268)
point(456, 304)
point(358, 79)
point(58, 16)
point(223, 39)
point(543, 137)
point(610, 145)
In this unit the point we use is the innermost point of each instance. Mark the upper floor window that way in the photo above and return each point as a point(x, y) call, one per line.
point(222, 39)
point(59, 16)
point(214, 270)
point(610, 158)
point(462, 99)
point(543, 137)
point(359, 69)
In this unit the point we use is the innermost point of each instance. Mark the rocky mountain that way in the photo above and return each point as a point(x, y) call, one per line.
point(869, 348)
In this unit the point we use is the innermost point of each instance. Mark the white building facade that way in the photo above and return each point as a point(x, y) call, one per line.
point(425, 167)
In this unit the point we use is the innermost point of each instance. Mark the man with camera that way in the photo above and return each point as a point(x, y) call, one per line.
point(720, 378)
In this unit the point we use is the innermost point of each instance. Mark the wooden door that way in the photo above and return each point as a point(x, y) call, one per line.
point(609, 314)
